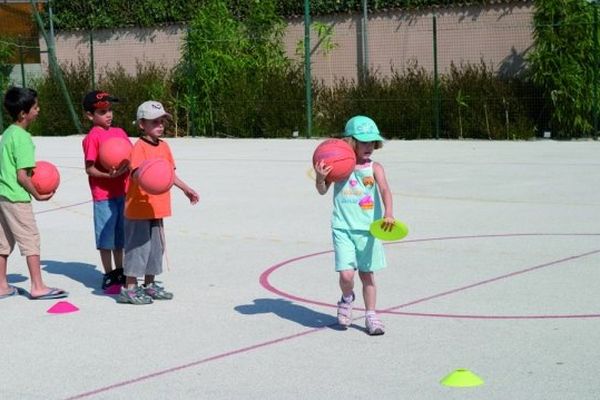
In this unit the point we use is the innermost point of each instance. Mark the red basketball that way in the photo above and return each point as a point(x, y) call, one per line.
point(156, 176)
point(338, 154)
point(114, 151)
point(45, 177)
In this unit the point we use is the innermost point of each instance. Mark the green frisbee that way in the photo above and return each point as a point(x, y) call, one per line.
point(398, 231)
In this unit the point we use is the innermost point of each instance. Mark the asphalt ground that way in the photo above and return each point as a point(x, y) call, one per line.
point(498, 275)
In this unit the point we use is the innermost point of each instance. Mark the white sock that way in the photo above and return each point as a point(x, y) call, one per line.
point(348, 299)
point(370, 314)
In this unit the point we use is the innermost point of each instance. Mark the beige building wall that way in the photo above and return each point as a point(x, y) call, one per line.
point(497, 34)
point(125, 47)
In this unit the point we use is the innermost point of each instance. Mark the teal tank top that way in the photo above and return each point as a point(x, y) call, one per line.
point(356, 201)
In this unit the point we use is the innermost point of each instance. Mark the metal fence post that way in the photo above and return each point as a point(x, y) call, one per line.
point(307, 71)
point(58, 74)
point(436, 81)
point(22, 62)
point(92, 62)
point(594, 4)
point(365, 43)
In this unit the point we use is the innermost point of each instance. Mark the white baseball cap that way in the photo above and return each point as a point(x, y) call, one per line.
point(151, 110)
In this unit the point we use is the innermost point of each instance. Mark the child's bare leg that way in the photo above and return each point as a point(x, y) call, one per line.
point(4, 289)
point(347, 282)
point(369, 290)
point(148, 279)
point(106, 258)
point(130, 282)
point(38, 288)
point(118, 257)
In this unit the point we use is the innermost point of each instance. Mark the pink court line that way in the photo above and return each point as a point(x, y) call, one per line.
point(264, 281)
point(193, 364)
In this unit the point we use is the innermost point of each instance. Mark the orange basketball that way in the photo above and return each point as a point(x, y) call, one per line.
point(156, 176)
point(45, 177)
point(114, 151)
point(338, 154)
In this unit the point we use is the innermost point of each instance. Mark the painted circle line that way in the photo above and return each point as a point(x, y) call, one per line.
point(264, 280)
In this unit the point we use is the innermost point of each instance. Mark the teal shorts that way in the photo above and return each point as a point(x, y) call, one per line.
point(357, 250)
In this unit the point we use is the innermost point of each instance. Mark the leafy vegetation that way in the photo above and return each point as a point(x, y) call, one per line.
point(91, 14)
point(7, 51)
point(563, 64)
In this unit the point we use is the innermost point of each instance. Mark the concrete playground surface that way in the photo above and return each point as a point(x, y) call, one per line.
point(499, 275)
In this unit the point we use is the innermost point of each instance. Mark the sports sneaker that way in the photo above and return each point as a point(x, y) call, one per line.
point(344, 312)
point(374, 325)
point(114, 277)
point(157, 292)
point(133, 296)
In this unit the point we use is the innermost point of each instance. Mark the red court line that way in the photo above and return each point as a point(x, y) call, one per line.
point(193, 364)
point(265, 283)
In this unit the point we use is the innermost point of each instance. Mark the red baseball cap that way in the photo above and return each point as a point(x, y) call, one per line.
point(98, 100)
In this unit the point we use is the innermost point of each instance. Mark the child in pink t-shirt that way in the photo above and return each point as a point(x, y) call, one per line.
point(107, 186)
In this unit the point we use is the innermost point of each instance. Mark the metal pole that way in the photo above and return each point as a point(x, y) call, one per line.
point(189, 89)
point(436, 81)
point(58, 75)
point(307, 72)
point(595, 71)
point(365, 42)
point(51, 24)
point(92, 62)
point(22, 62)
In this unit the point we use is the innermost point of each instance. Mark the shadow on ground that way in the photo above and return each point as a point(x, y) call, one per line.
point(86, 274)
point(287, 310)
point(16, 278)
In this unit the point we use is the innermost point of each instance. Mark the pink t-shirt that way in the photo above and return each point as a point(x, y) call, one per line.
point(103, 188)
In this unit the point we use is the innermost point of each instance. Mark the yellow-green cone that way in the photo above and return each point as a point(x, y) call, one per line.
point(462, 378)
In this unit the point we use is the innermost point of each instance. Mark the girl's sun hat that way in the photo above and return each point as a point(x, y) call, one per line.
point(362, 129)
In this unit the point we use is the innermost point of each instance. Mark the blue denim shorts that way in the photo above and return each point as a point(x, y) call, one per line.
point(109, 223)
point(357, 250)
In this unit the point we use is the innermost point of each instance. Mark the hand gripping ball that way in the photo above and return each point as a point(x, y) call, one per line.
point(45, 177)
point(338, 154)
point(156, 176)
point(114, 151)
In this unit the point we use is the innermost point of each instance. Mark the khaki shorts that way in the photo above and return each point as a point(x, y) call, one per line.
point(17, 225)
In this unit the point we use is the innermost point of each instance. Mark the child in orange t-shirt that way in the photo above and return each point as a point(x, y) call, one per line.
point(144, 212)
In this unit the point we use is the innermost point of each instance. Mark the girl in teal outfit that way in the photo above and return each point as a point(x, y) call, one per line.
point(357, 202)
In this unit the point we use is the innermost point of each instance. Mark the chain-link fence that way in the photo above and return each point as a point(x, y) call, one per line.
point(452, 73)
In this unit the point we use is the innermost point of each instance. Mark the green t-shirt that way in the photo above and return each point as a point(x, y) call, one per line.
point(17, 151)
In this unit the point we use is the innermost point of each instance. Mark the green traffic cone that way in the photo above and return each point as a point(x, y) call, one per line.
point(461, 378)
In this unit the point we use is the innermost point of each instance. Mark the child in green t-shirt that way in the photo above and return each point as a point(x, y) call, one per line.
point(17, 221)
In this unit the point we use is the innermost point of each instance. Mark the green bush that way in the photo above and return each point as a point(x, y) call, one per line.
point(228, 62)
point(6, 54)
point(90, 14)
point(54, 118)
point(150, 82)
point(478, 104)
point(475, 104)
point(563, 63)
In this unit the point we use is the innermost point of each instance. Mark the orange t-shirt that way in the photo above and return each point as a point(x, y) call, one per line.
point(138, 203)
